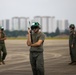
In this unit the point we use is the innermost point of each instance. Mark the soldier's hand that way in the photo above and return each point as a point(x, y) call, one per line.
point(72, 46)
point(29, 30)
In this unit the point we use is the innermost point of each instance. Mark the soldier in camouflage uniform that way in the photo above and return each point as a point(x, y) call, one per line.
point(3, 52)
point(72, 44)
point(36, 49)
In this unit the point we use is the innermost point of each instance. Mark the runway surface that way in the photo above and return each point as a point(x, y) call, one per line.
point(56, 58)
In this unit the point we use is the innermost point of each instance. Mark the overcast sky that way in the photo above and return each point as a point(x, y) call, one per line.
point(61, 9)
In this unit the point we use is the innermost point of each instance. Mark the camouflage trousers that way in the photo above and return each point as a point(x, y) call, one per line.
point(73, 53)
point(37, 63)
point(3, 52)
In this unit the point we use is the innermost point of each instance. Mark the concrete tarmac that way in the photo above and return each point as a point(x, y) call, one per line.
point(56, 58)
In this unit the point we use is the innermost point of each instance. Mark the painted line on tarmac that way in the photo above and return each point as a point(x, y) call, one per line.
point(52, 55)
point(13, 68)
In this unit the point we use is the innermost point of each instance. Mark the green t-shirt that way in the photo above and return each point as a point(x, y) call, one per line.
point(35, 38)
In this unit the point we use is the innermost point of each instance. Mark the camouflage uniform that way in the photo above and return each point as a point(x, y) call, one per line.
point(3, 51)
point(36, 55)
point(72, 41)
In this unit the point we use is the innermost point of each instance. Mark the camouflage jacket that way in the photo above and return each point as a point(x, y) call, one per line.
point(72, 37)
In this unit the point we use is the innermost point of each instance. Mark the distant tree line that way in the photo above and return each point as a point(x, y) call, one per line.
point(57, 32)
point(24, 33)
point(15, 33)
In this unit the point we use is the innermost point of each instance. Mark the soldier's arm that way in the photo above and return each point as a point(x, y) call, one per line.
point(74, 37)
point(0, 35)
point(29, 38)
point(37, 43)
point(4, 38)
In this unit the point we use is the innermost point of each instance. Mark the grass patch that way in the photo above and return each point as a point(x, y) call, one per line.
point(47, 38)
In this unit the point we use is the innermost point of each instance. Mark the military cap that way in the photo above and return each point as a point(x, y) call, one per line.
point(72, 26)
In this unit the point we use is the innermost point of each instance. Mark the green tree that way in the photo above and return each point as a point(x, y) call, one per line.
point(57, 32)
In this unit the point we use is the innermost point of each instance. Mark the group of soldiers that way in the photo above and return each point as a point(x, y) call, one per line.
point(35, 40)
